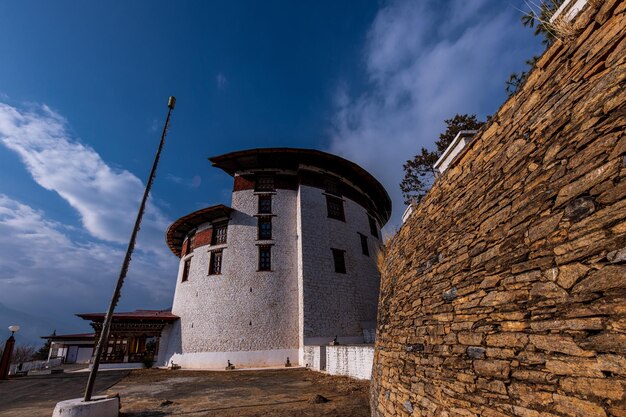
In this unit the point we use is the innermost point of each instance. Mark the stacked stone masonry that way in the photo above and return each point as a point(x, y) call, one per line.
point(504, 293)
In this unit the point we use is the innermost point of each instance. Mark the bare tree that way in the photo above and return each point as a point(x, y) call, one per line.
point(23, 353)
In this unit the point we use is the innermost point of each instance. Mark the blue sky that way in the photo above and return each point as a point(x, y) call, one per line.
point(83, 94)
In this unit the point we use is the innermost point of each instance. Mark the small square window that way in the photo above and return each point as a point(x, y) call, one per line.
point(215, 264)
point(219, 234)
point(186, 267)
point(265, 228)
point(264, 183)
point(339, 260)
point(335, 208)
point(265, 258)
point(364, 248)
point(265, 204)
point(373, 227)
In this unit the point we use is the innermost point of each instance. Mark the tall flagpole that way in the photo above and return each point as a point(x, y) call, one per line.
point(106, 326)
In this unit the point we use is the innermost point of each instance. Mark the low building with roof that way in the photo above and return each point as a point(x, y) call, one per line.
point(133, 335)
point(71, 348)
point(290, 264)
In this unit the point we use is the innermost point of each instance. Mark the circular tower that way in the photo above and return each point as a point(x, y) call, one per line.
point(291, 263)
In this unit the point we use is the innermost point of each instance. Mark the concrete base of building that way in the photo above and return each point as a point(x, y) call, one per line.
point(241, 359)
point(99, 406)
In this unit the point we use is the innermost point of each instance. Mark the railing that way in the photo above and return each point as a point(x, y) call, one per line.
point(34, 365)
point(135, 357)
point(112, 357)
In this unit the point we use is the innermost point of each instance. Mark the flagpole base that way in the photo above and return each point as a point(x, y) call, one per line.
point(99, 406)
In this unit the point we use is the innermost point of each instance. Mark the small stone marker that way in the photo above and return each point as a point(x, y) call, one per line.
point(318, 399)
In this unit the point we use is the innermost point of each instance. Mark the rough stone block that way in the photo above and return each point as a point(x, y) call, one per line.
point(572, 406)
point(492, 368)
point(476, 352)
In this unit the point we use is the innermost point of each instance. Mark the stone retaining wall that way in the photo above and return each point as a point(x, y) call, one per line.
point(504, 293)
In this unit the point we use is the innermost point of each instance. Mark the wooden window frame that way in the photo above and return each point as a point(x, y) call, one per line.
point(265, 198)
point(373, 226)
point(219, 236)
point(186, 268)
point(219, 256)
point(331, 185)
point(339, 260)
point(191, 242)
point(265, 182)
point(265, 264)
point(365, 250)
point(264, 220)
point(334, 208)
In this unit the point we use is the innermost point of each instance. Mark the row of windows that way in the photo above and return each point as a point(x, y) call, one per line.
point(218, 237)
point(265, 259)
point(215, 262)
point(334, 203)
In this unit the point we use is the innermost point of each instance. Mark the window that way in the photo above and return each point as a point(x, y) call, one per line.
point(265, 183)
point(364, 249)
point(335, 208)
point(340, 261)
point(219, 234)
point(331, 185)
point(265, 258)
point(192, 242)
point(265, 228)
point(373, 227)
point(265, 204)
point(186, 267)
point(215, 264)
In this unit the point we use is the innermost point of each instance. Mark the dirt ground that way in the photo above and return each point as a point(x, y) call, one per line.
point(282, 392)
point(157, 392)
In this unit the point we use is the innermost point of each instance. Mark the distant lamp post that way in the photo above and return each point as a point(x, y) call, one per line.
point(5, 363)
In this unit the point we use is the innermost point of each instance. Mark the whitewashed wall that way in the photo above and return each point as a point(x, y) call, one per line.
point(241, 310)
point(335, 304)
point(352, 361)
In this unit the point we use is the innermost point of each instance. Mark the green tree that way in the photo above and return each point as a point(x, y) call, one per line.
point(419, 173)
point(539, 19)
point(42, 353)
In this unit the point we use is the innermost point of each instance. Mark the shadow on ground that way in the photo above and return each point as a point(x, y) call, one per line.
point(34, 396)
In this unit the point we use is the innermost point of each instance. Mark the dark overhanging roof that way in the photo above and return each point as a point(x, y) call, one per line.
point(292, 158)
point(176, 233)
point(143, 315)
point(72, 337)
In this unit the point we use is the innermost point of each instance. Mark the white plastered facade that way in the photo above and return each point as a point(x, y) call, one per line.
point(259, 318)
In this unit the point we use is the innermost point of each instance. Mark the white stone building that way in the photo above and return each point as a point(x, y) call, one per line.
point(291, 264)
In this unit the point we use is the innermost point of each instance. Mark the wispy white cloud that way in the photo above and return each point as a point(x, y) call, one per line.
point(50, 269)
point(193, 182)
point(425, 65)
point(48, 274)
point(221, 81)
point(106, 198)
